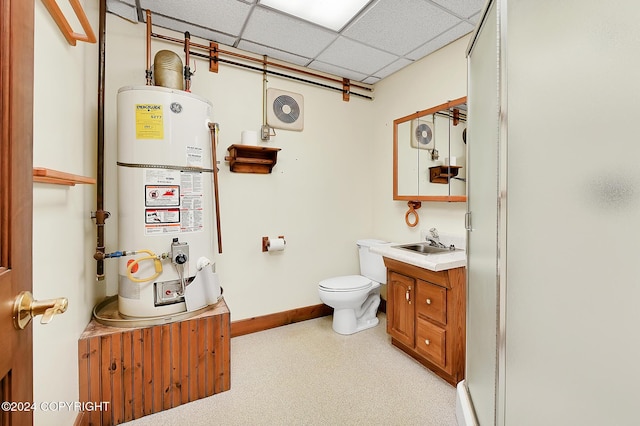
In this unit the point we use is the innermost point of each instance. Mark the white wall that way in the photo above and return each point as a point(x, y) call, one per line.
point(65, 100)
point(331, 185)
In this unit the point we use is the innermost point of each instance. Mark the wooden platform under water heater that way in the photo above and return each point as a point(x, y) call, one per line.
point(139, 371)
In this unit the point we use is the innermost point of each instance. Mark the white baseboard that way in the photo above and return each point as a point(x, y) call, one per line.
point(465, 414)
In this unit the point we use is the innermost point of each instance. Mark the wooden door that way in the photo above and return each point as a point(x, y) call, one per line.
point(16, 193)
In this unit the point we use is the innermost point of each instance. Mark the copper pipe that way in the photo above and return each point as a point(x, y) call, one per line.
point(291, 77)
point(100, 214)
point(187, 70)
point(262, 61)
point(148, 70)
point(213, 128)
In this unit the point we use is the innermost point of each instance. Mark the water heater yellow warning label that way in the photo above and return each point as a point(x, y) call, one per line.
point(149, 121)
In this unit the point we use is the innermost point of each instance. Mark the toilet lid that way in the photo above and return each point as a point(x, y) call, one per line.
point(346, 283)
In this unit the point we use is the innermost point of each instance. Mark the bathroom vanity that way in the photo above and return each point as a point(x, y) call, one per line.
point(426, 310)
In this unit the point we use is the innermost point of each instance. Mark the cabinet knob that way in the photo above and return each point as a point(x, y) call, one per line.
point(426, 342)
point(428, 301)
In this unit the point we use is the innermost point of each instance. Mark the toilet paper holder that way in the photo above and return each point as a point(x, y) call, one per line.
point(265, 242)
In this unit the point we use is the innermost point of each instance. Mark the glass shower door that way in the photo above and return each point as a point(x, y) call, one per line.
point(482, 232)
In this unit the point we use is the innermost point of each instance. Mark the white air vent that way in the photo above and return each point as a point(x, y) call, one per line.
point(285, 110)
point(422, 134)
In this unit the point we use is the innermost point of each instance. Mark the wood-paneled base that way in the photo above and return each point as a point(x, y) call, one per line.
point(140, 371)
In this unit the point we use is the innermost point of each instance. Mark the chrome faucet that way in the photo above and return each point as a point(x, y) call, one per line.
point(434, 239)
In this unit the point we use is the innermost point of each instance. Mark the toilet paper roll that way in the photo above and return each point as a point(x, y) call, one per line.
point(451, 161)
point(276, 244)
point(249, 137)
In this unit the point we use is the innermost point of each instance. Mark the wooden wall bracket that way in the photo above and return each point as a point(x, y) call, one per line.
point(213, 57)
point(346, 89)
point(64, 26)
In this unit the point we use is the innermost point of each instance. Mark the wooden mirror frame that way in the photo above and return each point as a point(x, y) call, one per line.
point(396, 122)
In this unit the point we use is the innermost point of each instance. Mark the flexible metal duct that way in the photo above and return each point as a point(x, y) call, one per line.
point(167, 70)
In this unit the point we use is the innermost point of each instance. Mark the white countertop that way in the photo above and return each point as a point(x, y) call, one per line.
point(433, 262)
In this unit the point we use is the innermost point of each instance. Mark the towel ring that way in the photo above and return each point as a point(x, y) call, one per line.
point(413, 206)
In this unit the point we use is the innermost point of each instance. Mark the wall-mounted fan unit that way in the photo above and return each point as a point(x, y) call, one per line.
point(422, 134)
point(285, 110)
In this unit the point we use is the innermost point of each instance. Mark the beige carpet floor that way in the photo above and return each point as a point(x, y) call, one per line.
point(306, 374)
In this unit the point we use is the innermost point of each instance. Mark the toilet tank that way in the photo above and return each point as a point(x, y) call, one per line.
point(371, 264)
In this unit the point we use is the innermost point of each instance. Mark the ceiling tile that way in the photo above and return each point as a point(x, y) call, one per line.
point(285, 33)
point(393, 67)
point(123, 10)
point(224, 16)
point(361, 58)
point(335, 70)
point(462, 8)
point(475, 17)
point(181, 27)
point(400, 26)
point(371, 80)
point(441, 41)
point(273, 53)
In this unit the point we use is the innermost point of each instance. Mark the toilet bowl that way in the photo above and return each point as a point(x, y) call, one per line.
point(355, 298)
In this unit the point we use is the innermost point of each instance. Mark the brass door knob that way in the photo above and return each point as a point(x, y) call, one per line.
point(25, 307)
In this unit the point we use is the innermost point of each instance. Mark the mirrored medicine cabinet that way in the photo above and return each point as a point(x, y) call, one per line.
point(429, 154)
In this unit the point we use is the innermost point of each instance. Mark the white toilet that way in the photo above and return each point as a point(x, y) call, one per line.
point(355, 298)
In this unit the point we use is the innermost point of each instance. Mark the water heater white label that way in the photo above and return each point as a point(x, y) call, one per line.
point(161, 177)
point(191, 202)
point(162, 195)
point(173, 201)
point(194, 156)
point(162, 216)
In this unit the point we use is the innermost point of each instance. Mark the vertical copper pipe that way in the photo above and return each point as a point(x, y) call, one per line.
point(187, 70)
point(213, 128)
point(148, 71)
point(100, 214)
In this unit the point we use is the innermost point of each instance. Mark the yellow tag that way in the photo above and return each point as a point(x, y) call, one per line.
point(149, 123)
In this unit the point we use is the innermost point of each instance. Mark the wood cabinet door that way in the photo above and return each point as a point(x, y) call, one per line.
point(16, 206)
point(401, 308)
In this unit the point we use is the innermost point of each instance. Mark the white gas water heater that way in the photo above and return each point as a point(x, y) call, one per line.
point(165, 202)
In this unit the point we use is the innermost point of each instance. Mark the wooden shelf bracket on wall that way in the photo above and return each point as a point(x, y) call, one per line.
point(43, 175)
point(63, 23)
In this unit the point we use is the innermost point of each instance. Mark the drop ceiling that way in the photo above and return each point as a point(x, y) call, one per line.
point(384, 37)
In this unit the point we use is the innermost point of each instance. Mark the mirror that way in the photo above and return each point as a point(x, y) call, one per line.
point(429, 147)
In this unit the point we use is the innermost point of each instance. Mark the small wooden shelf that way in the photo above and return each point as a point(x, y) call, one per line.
point(56, 177)
point(251, 159)
point(442, 174)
